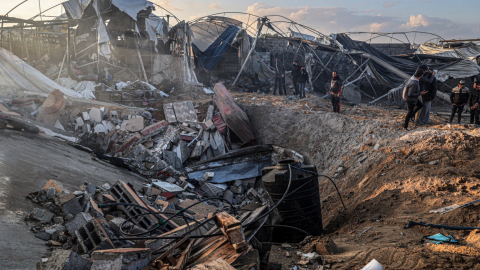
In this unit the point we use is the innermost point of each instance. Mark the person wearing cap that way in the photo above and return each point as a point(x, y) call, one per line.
point(459, 97)
point(428, 84)
point(411, 92)
point(295, 75)
point(473, 103)
point(279, 75)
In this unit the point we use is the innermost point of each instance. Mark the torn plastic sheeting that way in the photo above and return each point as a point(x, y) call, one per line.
point(132, 7)
point(17, 75)
point(235, 118)
point(50, 133)
point(75, 8)
point(461, 69)
point(86, 89)
point(156, 25)
point(208, 91)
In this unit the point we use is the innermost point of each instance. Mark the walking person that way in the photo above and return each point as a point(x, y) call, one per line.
point(459, 97)
point(302, 82)
point(411, 92)
point(336, 89)
point(428, 83)
point(279, 75)
point(295, 75)
point(473, 103)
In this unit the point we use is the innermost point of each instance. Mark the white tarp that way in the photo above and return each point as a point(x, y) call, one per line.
point(16, 75)
point(76, 7)
point(469, 52)
point(156, 25)
point(132, 7)
point(86, 89)
point(163, 68)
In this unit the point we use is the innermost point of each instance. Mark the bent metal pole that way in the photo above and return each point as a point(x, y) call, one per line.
point(249, 53)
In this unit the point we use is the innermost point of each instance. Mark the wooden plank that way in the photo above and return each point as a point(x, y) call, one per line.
point(232, 228)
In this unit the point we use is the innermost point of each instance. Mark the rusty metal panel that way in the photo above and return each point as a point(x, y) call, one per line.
point(235, 118)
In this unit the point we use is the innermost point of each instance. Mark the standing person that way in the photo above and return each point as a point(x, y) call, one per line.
point(459, 97)
point(335, 92)
point(411, 93)
point(295, 75)
point(279, 75)
point(428, 83)
point(302, 81)
point(473, 103)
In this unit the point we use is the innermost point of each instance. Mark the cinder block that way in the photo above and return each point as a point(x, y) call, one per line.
point(121, 258)
point(91, 237)
point(78, 221)
point(68, 203)
point(66, 260)
point(122, 193)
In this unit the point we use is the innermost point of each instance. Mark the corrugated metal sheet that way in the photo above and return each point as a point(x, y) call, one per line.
point(235, 118)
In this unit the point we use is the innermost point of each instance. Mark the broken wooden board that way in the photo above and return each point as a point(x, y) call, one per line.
point(232, 228)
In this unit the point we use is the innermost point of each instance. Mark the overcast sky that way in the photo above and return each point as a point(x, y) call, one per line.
point(449, 19)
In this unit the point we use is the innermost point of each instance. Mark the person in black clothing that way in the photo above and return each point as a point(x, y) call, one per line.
point(295, 75)
point(411, 94)
point(428, 84)
point(279, 75)
point(302, 82)
point(473, 103)
point(336, 88)
point(459, 97)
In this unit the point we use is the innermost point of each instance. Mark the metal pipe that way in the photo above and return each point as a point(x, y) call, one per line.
point(249, 53)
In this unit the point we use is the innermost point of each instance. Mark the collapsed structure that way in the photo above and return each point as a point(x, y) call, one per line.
point(212, 197)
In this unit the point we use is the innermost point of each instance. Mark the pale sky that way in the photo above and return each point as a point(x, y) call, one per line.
point(446, 18)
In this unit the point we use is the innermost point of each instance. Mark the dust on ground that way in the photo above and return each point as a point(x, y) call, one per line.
point(387, 177)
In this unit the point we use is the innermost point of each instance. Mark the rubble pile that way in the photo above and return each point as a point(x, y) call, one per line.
point(98, 227)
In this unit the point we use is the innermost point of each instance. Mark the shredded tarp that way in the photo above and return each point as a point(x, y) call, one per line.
point(470, 51)
point(460, 69)
point(156, 25)
point(75, 8)
point(209, 58)
point(86, 89)
point(381, 73)
point(206, 33)
point(163, 68)
point(16, 75)
point(132, 7)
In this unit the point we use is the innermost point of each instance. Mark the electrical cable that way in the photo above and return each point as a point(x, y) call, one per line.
point(278, 203)
point(284, 226)
point(167, 237)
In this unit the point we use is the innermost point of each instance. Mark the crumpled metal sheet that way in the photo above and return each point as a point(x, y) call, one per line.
point(235, 118)
point(235, 165)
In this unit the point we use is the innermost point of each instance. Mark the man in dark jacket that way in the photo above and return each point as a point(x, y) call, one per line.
point(473, 102)
point(295, 75)
point(412, 92)
point(336, 89)
point(279, 75)
point(459, 97)
point(428, 83)
point(302, 81)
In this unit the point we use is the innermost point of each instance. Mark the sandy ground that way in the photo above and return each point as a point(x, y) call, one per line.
point(26, 163)
point(384, 176)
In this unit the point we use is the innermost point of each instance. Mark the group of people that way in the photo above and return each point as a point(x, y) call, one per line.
point(299, 78)
point(421, 89)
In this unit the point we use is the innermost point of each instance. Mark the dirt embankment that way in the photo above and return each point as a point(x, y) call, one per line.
point(387, 178)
